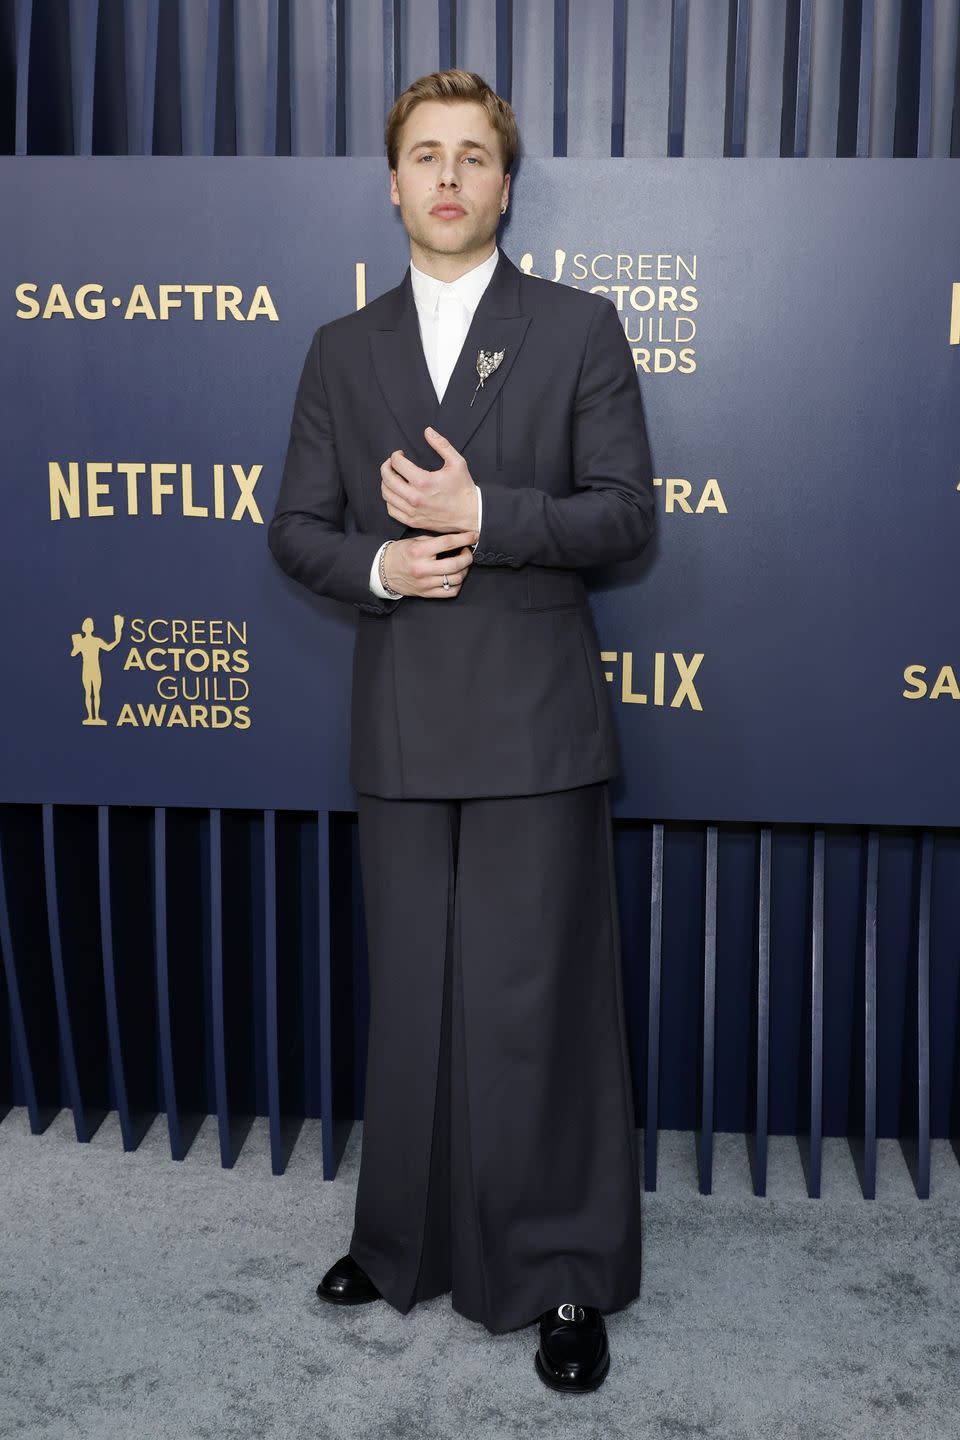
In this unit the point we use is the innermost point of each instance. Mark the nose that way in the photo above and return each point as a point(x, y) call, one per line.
point(448, 175)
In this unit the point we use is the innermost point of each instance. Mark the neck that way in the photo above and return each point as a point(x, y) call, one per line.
point(448, 267)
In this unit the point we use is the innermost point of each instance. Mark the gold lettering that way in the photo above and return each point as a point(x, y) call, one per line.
point(30, 305)
point(945, 684)
point(188, 506)
point(686, 690)
point(132, 469)
point(64, 493)
point(626, 687)
point(262, 304)
point(157, 488)
point(139, 304)
point(246, 504)
point(96, 488)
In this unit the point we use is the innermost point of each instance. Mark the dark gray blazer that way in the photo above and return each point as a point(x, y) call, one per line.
point(501, 690)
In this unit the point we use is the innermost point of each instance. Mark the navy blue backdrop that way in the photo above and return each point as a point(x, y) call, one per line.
point(782, 651)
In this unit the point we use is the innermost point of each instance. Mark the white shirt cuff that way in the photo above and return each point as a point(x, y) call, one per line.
point(479, 511)
point(375, 585)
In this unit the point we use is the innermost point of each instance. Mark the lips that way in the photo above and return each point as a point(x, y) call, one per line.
point(448, 212)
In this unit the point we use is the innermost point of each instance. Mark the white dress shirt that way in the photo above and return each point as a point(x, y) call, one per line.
point(445, 312)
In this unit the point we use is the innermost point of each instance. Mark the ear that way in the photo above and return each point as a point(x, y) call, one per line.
point(506, 189)
point(394, 191)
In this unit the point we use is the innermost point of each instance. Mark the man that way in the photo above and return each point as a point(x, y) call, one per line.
point(484, 430)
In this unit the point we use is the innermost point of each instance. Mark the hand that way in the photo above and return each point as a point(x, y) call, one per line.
point(444, 500)
point(412, 567)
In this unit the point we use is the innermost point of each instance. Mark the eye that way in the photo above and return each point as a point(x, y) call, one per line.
point(475, 158)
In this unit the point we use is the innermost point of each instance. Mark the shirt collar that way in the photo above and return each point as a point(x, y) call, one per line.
point(469, 287)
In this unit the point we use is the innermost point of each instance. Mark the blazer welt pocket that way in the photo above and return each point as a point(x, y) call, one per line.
point(549, 589)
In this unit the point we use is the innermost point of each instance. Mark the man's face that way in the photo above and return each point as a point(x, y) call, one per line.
point(449, 185)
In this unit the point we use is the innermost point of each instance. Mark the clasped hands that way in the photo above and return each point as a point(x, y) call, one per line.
point(444, 501)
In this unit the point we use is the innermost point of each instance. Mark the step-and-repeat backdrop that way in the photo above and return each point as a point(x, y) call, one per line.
point(787, 649)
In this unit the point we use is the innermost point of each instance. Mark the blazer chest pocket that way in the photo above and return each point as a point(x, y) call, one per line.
point(553, 589)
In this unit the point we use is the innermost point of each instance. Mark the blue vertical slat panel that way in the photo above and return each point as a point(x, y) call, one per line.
point(618, 78)
point(194, 27)
point(735, 120)
point(504, 48)
point(227, 1154)
point(288, 1010)
point(532, 98)
point(946, 75)
point(182, 947)
point(210, 78)
point(271, 88)
point(865, 1146)
point(178, 1143)
point(886, 51)
point(651, 1115)
point(11, 1091)
point(148, 106)
point(706, 78)
point(812, 1153)
point(308, 76)
point(84, 16)
point(478, 39)
point(561, 73)
point(677, 94)
point(795, 126)
point(50, 123)
point(236, 929)
point(391, 53)
point(334, 80)
point(366, 64)
point(251, 20)
point(647, 79)
point(945, 990)
point(111, 999)
point(865, 79)
point(24, 14)
point(917, 1149)
point(765, 50)
point(826, 44)
point(332, 1134)
point(758, 1155)
point(590, 32)
point(31, 1026)
point(72, 892)
point(110, 119)
point(129, 991)
point(135, 17)
point(925, 98)
point(446, 34)
point(705, 1132)
point(277, 1157)
point(419, 39)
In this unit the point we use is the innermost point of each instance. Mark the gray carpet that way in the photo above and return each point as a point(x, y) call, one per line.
point(143, 1298)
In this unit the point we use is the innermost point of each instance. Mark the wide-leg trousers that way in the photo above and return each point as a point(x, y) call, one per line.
point(499, 1156)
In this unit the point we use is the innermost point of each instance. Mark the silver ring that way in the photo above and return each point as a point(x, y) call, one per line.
point(446, 583)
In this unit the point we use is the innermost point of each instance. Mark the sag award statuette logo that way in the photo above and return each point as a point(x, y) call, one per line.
point(88, 646)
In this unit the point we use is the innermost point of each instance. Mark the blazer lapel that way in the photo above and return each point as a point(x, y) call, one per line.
point(497, 325)
point(401, 370)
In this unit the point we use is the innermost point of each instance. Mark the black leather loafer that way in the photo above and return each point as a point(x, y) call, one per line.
point(573, 1353)
point(346, 1284)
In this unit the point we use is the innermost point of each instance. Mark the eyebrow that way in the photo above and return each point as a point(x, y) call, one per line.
point(461, 144)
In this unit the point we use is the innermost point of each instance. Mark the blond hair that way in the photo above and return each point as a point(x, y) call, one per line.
point(450, 86)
